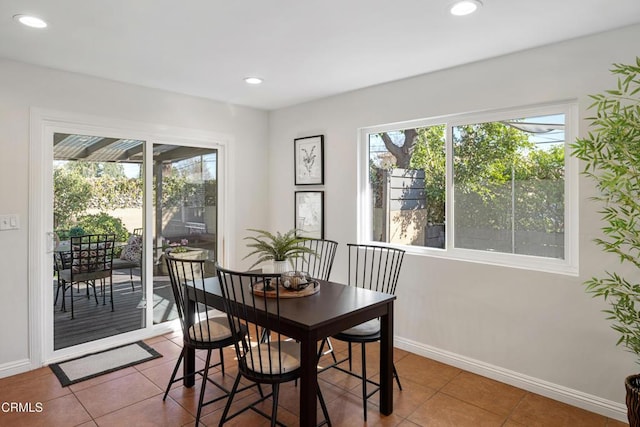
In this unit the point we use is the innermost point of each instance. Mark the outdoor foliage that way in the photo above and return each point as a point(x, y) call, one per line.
point(429, 155)
point(500, 176)
point(178, 191)
point(79, 187)
point(611, 153)
point(491, 160)
point(72, 195)
point(103, 223)
point(112, 192)
point(96, 169)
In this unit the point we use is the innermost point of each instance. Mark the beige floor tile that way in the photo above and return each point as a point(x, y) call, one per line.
point(174, 334)
point(348, 412)
point(426, 372)
point(247, 418)
point(405, 401)
point(60, 412)
point(4, 382)
point(188, 397)
point(118, 393)
point(157, 339)
point(289, 396)
point(151, 412)
point(616, 423)
point(445, 411)
point(161, 374)
point(34, 388)
point(488, 394)
point(536, 410)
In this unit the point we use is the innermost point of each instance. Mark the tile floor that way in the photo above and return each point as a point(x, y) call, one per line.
point(434, 395)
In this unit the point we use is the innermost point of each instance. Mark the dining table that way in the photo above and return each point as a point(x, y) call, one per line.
point(334, 308)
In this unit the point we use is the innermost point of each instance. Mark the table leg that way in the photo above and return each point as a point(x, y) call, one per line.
point(308, 382)
point(386, 361)
point(189, 362)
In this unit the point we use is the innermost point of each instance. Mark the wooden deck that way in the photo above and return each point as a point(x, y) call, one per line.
point(93, 322)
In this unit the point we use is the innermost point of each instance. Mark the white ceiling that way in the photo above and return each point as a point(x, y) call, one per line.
point(304, 49)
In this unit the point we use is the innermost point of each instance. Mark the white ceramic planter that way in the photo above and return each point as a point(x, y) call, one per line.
point(281, 266)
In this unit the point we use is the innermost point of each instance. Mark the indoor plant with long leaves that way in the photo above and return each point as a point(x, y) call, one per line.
point(611, 155)
point(277, 247)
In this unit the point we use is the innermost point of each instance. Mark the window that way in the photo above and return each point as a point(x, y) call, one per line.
point(495, 187)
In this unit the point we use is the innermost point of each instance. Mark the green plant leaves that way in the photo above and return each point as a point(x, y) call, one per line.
point(611, 156)
point(276, 247)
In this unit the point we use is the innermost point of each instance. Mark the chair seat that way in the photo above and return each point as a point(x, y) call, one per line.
point(288, 360)
point(121, 264)
point(215, 329)
point(364, 329)
point(83, 277)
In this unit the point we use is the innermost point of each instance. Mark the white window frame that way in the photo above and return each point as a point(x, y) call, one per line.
point(568, 265)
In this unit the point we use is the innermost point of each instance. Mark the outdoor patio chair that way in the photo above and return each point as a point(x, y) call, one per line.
point(91, 258)
point(131, 256)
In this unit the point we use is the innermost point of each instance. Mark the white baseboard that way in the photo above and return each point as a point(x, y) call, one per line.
point(15, 367)
point(615, 410)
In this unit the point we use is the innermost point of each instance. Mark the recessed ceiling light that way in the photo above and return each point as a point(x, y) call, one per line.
point(465, 7)
point(253, 80)
point(30, 21)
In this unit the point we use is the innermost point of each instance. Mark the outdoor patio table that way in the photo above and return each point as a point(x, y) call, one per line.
point(310, 319)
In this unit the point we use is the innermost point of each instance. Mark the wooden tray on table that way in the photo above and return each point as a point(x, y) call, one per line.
point(313, 288)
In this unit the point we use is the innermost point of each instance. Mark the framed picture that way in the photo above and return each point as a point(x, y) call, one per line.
point(309, 214)
point(309, 160)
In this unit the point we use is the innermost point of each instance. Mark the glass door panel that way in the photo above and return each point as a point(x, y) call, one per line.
point(97, 189)
point(185, 215)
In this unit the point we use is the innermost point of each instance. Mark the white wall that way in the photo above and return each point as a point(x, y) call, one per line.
point(534, 329)
point(23, 86)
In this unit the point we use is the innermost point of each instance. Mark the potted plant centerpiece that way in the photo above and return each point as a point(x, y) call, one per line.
point(611, 153)
point(279, 248)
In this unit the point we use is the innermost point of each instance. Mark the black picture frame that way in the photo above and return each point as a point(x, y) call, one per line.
point(309, 214)
point(308, 158)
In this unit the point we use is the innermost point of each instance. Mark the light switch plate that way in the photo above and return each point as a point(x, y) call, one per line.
point(9, 222)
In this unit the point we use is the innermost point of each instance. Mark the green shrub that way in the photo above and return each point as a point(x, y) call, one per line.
point(103, 223)
point(76, 231)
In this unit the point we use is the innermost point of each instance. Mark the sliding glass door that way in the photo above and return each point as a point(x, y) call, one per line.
point(99, 187)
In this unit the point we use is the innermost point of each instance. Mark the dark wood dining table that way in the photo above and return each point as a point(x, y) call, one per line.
point(309, 319)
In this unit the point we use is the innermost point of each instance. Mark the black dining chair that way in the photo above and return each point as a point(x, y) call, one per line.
point(376, 268)
point(202, 327)
point(90, 259)
point(318, 264)
point(272, 362)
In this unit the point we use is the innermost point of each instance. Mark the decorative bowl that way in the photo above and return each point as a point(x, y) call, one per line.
point(295, 280)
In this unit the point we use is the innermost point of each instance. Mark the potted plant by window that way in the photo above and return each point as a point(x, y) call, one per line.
point(611, 153)
point(277, 247)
